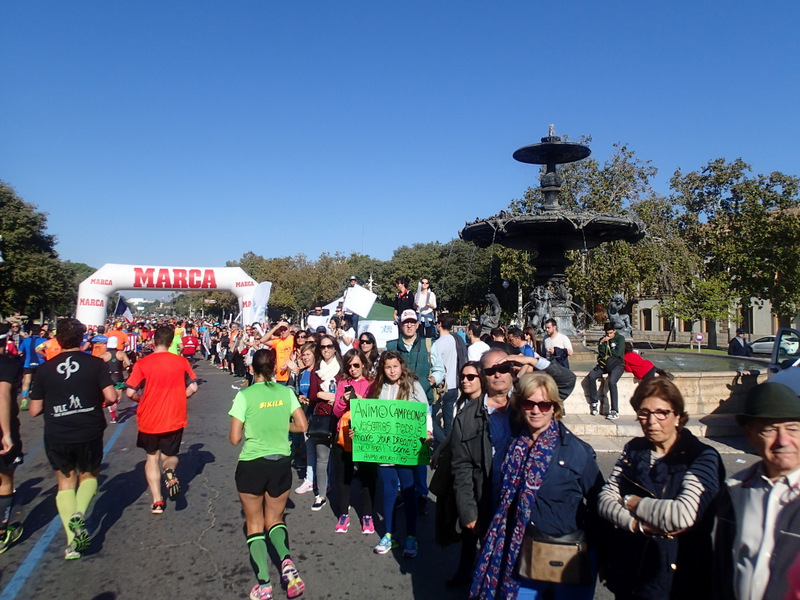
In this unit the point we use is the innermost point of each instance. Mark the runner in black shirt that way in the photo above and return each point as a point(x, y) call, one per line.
point(71, 389)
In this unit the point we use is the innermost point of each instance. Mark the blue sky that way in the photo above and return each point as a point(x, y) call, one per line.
point(188, 133)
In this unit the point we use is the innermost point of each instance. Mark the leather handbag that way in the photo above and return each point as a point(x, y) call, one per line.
point(320, 428)
point(562, 559)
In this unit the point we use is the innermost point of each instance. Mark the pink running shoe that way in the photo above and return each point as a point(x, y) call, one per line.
point(291, 579)
point(261, 592)
point(304, 487)
point(367, 526)
point(343, 524)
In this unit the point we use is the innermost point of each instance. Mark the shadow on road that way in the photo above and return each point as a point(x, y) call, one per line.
point(115, 495)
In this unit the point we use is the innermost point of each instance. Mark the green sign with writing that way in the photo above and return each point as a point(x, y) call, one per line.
point(389, 431)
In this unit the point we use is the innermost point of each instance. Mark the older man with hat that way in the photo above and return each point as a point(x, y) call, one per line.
point(758, 533)
point(738, 346)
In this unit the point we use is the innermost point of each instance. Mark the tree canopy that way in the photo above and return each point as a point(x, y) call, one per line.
point(32, 278)
point(723, 233)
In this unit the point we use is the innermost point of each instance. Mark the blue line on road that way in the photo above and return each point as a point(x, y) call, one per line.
point(35, 555)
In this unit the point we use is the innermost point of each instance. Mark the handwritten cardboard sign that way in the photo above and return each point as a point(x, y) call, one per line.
point(389, 431)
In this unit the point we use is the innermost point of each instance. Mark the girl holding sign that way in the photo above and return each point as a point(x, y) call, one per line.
point(353, 384)
point(395, 381)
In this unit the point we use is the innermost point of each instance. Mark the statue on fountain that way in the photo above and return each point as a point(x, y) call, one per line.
point(539, 308)
point(621, 321)
point(491, 318)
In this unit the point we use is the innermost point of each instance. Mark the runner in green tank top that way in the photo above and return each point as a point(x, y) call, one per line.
point(264, 414)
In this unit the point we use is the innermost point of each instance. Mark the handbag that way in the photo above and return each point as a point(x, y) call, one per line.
point(343, 438)
point(562, 559)
point(320, 428)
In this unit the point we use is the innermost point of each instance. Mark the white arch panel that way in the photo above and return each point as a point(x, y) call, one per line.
point(95, 291)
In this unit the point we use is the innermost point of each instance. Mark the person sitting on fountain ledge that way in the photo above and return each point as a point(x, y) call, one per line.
point(610, 361)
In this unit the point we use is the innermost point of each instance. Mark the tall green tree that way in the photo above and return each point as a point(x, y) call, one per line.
point(32, 278)
point(746, 227)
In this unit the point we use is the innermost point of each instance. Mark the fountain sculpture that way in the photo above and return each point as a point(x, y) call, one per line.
point(550, 230)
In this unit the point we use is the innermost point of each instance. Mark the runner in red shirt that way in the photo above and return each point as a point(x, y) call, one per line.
point(190, 343)
point(161, 383)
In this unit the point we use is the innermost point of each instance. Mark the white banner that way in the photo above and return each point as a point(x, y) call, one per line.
point(95, 290)
point(359, 300)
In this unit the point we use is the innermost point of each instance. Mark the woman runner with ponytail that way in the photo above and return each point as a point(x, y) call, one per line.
point(265, 413)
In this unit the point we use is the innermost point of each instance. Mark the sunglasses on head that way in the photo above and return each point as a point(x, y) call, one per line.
point(542, 406)
point(469, 376)
point(502, 368)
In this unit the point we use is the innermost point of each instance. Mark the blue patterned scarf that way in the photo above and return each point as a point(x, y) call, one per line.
point(524, 469)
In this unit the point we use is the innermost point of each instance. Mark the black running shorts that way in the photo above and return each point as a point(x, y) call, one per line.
point(168, 443)
point(84, 457)
point(260, 476)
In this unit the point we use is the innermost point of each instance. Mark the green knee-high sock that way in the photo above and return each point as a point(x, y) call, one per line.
point(279, 537)
point(83, 497)
point(257, 544)
point(66, 505)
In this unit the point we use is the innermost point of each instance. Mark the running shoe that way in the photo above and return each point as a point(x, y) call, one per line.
point(261, 591)
point(77, 526)
point(9, 536)
point(412, 549)
point(306, 486)
point(290, 578)
point(158, 507)
point(367, 526)
point(595, 408)
point(385, 545)
point(343, 524)
point(319, 502)
point(71, 554)
point(613, 415)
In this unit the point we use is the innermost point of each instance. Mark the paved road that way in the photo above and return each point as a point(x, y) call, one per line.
point(196, 549)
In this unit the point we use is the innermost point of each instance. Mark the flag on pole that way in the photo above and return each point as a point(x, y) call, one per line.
point(123, 310)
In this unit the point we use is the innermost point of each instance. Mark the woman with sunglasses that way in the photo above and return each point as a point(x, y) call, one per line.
point(660, 497)
point(395, 381)
point(353, 384)
point(550, 483)
point(369, 346)
point(321, 396)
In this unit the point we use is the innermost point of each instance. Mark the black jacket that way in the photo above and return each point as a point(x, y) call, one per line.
point(675, 567)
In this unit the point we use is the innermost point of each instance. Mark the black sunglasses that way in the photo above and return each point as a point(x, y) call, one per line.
point(364, 342)
point(469, 376)
point(542, 406)
point(326, 346)
point(503, 369)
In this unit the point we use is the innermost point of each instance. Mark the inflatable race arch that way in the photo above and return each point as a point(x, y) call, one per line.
point(95, 291)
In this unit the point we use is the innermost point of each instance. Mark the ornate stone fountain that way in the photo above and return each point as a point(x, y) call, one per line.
point(550, 230)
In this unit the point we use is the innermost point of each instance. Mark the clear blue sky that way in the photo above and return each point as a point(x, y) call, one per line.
point(187, 133)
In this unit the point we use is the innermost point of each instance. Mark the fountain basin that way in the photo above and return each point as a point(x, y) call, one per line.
point(713, 388)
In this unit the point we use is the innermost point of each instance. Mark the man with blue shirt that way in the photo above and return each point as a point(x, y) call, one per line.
point(516, 339)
